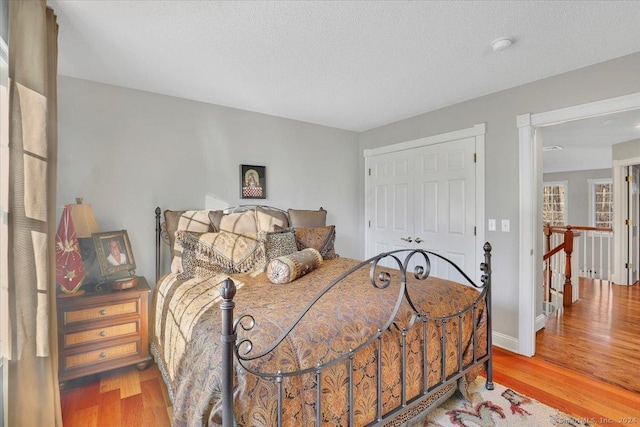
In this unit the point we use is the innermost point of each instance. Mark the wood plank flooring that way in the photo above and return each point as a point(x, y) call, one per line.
point(122, 397)
point(599, 335)
point(587, 365)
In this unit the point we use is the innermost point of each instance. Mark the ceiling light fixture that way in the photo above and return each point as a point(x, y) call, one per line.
point(552, 148)
point(501, 44)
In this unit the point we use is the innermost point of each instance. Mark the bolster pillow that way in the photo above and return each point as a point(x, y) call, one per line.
point(287, 268)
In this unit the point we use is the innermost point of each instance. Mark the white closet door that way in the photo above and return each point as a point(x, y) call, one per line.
point(445, 204)
point(391, 201)
point(426, 194)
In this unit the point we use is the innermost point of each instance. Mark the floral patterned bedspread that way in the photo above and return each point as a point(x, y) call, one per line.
point(186, 337)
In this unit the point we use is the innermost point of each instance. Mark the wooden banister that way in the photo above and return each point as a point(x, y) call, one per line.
point(560, 229)
point(569, 233)
point(568, 249)
point(567, 246)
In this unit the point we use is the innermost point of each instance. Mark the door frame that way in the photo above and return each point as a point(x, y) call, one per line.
point(478, 132)
point(620, 240)
point(530, 174)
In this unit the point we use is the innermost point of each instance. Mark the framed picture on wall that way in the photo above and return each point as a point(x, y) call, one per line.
point(253, 182)
point(113, 252)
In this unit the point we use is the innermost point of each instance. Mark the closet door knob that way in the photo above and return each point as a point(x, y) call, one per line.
point(408, 239)
point(419, 240)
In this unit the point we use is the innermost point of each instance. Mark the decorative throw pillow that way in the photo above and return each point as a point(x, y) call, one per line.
point(196, 221)
point(279, 243)
point(239, 223)
point(197, 264)
point(287, 268)
point(305, 218)
point(219, 252)
point(267, 219)
point(320, 238)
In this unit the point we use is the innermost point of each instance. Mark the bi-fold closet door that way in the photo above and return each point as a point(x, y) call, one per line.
point(425, 197)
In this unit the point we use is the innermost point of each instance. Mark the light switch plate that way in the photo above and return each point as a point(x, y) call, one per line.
point(505, 225)
point(492, 225)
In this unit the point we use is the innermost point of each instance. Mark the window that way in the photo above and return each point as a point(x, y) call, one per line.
point(601, 203)
point(554, 203)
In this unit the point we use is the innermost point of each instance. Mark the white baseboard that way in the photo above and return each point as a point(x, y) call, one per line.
point(540, 321)
point(505, 341)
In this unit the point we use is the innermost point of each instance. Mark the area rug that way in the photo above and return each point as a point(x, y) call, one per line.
point(498, 407)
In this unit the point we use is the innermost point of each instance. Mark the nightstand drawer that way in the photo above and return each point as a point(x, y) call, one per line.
point(103, 330)
point(101, 312)
point(104, 354)
point(100, 334)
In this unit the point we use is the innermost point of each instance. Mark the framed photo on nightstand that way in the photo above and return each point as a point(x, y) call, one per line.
point(113, 252)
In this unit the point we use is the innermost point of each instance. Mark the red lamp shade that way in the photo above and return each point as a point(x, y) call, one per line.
point(69, 266)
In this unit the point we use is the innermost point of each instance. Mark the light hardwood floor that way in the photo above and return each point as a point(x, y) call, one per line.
point(597, 342)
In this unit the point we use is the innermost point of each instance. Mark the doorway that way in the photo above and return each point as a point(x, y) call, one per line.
point(530, 166)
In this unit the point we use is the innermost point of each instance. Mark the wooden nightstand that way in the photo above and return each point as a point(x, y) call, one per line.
point(102, 331)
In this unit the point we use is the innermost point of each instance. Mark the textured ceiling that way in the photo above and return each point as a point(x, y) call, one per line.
point(586, 144)
point(350, 65)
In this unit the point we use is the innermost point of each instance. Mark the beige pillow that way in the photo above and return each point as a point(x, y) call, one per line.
point(239, 223)
point(196, 221)
point(305, 218)
point(171, 219)
point(267, 220)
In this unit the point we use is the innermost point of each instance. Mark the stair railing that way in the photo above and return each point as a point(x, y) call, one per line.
point(590, 250)
point(557, 286)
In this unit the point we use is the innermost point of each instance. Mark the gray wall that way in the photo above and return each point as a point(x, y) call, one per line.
point(626, 150)
point(176, 153)
point(127, 151)
point(578, 192)
point(613, 78)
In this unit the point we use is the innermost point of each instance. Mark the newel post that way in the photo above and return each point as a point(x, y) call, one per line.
point(567, 291)
point(548, 274)
point(228, 338)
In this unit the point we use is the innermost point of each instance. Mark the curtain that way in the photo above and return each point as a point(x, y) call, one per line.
point(33, 393)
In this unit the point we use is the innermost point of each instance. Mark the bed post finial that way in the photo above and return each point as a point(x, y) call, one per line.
point(486, 280)
point(228, 338)
point(158, 232)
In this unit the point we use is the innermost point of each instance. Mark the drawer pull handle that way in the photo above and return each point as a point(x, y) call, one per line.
point(103, 355)
point(103, 334)
point(103, 312)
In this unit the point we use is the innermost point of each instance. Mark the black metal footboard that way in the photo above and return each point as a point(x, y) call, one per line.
point(237, 351)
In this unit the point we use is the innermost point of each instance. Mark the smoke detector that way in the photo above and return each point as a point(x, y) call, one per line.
point(501, 43)
point(552, 148)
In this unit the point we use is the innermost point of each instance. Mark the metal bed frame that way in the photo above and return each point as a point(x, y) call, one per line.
point(237, 350)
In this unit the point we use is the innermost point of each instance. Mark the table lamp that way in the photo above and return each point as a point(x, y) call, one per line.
point(75, 253)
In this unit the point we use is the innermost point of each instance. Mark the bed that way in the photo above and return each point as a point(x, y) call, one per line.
point(348, 343)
